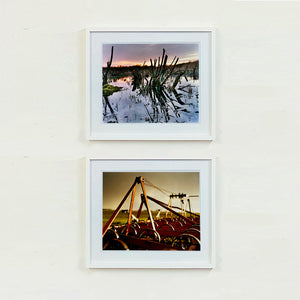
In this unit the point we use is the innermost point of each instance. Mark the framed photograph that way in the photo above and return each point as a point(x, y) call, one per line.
point(150, 85)
point(150, 213)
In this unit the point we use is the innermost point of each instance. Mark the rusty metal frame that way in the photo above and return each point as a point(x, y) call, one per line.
point(144, 200)
point(171, 210)
point(116, 212)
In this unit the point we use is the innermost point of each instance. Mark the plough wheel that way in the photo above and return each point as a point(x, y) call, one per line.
point(132, 230)
point(186, 241)
point(178, 222)
point(166, 226)
point(110, 235)
point(163, 221)
point(136, 225)
point(168, 240)
point(192, 230)
point(115, 244)
point(150, 225)
point(150, 234)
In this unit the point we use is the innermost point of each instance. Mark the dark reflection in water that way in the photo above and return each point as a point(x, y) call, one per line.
point(142, 101)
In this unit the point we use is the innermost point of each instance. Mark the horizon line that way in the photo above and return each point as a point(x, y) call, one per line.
point(146, 65)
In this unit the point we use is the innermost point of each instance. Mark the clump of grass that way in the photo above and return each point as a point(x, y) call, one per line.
point(155, 86)
point(159, 74)
point(109, 89)
point(159, 71)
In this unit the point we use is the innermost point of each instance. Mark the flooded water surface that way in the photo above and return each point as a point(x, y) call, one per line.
point(161, 104)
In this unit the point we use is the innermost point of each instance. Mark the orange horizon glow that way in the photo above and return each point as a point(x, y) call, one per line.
point(125, 63)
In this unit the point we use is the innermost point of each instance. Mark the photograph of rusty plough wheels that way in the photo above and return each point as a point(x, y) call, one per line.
point(172, 226)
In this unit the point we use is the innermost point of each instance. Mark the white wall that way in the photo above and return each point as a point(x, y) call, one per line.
point(42, 138)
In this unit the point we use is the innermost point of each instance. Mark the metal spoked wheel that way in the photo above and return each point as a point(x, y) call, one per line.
point(193, 230)
point(163, 221)
point(110, 235)
point(168, 240)
point(150, 234)
point(132, 231)
point(115, 244)
point(183, 221)
point(178, 222)
point(187, 241)
point(136, 225)
point(150, 225)
point(166, 226)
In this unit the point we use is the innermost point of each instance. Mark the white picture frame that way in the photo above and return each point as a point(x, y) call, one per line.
point(97, 129)
point(96, 257)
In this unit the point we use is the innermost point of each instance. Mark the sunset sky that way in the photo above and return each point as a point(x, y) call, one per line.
point(116, 185)
point(136, 54)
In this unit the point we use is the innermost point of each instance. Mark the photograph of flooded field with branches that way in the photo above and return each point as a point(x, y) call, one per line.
point(150, 83)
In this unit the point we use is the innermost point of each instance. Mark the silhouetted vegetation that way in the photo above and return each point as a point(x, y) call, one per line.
point(106, 70)
point(157, 82)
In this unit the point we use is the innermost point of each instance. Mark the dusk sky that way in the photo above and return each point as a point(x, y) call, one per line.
point(136, 54)
point(116, 185)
